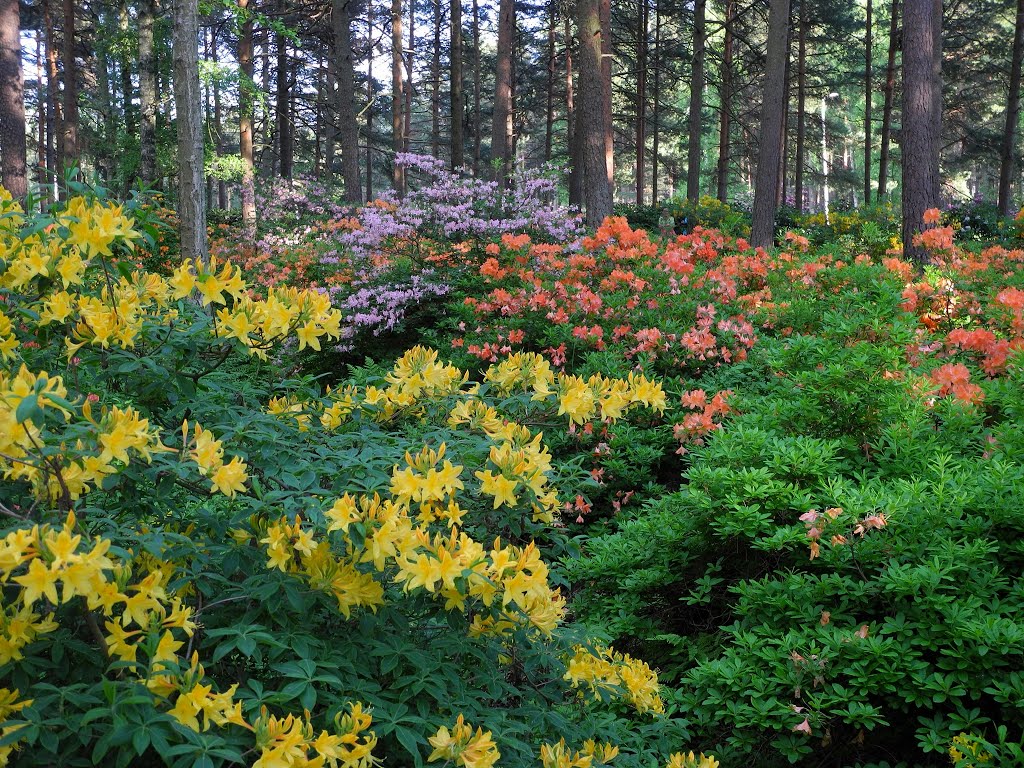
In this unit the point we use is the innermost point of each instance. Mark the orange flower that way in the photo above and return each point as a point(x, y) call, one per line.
point(932, 216)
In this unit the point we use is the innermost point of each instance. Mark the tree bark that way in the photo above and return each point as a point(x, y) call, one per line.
point(12, 102)
point(408, 76)
point(147, 93)
point(868, 95)
point(890, 90)
point(127, 90)
point(725, 99)
point(476, 88)
point(42, 119)
point(246, 100)
point(549, 112)
point(765, 188)
point(188, 106)
point(71, 148)
point(576, 178)
point(501, 130)
point(348, 125)
point(55, 125)
point(458, 117)
point(1009, 145)
point(780, 192)
point(919, 135)
point(656, 106)
point(641, 99)
point(435, 85)
point(369, 107)
point(801, 108)
point(605, 11)
point(397, 96)
point(218, 124)
point(286, 148)
point(590, 131)
point(693, 154)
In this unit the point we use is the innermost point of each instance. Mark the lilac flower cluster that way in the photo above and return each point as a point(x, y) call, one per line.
point(375, 308)
point(449, 206)
point(283, 201)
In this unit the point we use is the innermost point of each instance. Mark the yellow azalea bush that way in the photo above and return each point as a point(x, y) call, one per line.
point(209, 562)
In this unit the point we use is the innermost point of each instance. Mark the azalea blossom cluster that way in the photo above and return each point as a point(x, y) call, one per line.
point(604, 670)
point(37, 423)
point(453, 207)
point(378, 308)
point(608, 292)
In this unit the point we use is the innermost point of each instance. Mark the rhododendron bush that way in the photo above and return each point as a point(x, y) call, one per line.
point(206, 563)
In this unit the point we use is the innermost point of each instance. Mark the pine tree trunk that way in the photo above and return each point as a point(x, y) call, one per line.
point(42, 119)
point(501, 130)
point(12, 102)
point(283, 109)
point(549, 112)
point(576, 177)
point(919, 135)
point(246, 90)
point(693, 153)
point(605, 12)
point(408, 76)
point(458, 117)
point(369, 110)
point(641, 99)
point(55, 122)
point(656, 106)
point(147, 93)
point(188, 107)
point(218, 125)
point(435, 85)
point(476, 88)
point(725, 99)
point(71, 148)
point(780, 193)
point(868, 95)
point(655, 114)
point(1009, 146)
point(397, 96)
point(347, 119)
point(801, 108)
point(762, 229)
point(127, 90)
point(590, 131)
point(890, 90)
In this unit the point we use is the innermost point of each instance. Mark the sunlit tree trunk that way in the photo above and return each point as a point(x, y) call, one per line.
point(12, 102)
point(397, 96)
point(245, 118)
point(147, 93)
point(890, 90)
point(71, 148)
point(188, 108)
point(641, 99)
point(696, 123)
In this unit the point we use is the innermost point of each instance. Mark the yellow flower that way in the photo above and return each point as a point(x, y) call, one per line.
point(230, 478)
point(498, 486)
point(40, 581)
